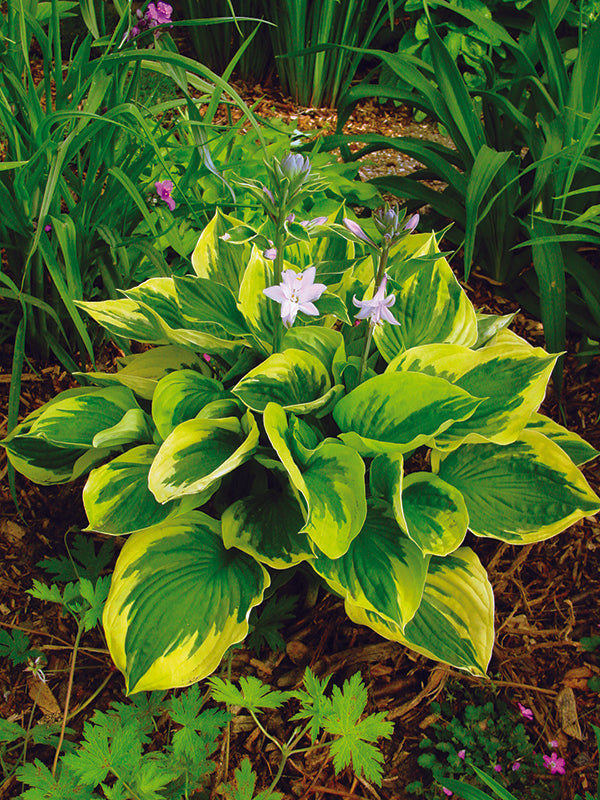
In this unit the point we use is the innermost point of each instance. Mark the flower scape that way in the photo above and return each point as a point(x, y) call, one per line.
point(375, 455)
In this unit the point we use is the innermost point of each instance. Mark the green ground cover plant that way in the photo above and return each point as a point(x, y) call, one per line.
point(478, 730)
point(262, 434)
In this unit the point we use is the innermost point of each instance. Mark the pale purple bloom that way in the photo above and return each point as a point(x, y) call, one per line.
point(163, 190)
point(270, 254)
point(553, 744)
point(526, 713)
point(295, 166)
point(516, 766)
point(48, 227)
point(158, 14)
point(412, 223)
point(461, 754)
point(296, 292)
point(269, 194)
point(377, 310)
point(206, 357)
point(497, 768)
point(555, 764)
point(355, 229)
point(447, 792)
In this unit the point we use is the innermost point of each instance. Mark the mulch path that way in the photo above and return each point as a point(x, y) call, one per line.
point(546, 598)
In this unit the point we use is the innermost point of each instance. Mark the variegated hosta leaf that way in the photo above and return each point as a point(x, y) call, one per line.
point(135, 426)
point(326, 344)
point(578, 450)
point(386, 476)
point(330, 478)
point(488, 325)
point(199, 452)
point(178, 599)
point(435, 513)
point(48, 464)
point(511, 379)
point(521, 492)
point(180, 396)
point(455, 621)
point(399, 411)
point(158, 297)
point(383, 570)
point(75, 420)
point(259, 311)
point(203, 301)
point(126, 318)
point(294, 379)
point(117, 499)
point(432, 512)
point(268, 527)
point(216, 259)
point(430, 307)
point(44, 462)
point(142, 371)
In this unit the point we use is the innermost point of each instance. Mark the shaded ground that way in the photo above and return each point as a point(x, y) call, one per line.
point(546, 595)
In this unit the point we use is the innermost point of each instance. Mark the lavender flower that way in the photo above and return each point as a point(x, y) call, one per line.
point(461, 754)
point(158, 14)
point(163, 190)
point(377, 310)
point(516, 766)
point(296, 292)
point(497, 767)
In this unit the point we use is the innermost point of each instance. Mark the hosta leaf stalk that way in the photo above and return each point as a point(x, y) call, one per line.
point(273, 427)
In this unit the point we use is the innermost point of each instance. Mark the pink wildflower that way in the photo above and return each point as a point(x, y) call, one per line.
point(447, 792)
point(526, 713)
point(461, 754)
point(555, 764)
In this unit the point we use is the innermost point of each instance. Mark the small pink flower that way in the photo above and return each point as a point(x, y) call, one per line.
point(461, 754)
point(526, 713)
point(48, 227)
point(497, 768)
point(206, 357)
point(516, 766)
point(163, 190)
point(555, 764)
point(553, 744)
point(447, 792)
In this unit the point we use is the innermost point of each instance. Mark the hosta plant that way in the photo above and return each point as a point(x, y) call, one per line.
point(319, 396)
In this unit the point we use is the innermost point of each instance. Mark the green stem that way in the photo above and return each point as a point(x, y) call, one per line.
point(68, 697)
point(278, 264)
point(378, 278)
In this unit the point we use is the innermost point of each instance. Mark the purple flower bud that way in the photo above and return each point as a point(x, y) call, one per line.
point(270, 254)
point(516, 766)
point(497, 768)
point(357, 231)
point(412, 223)
point(295, 166)
point(269, 194)
point(48, 227)
point(461, 754)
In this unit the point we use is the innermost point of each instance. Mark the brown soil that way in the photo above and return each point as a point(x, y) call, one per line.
point(546, 597)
